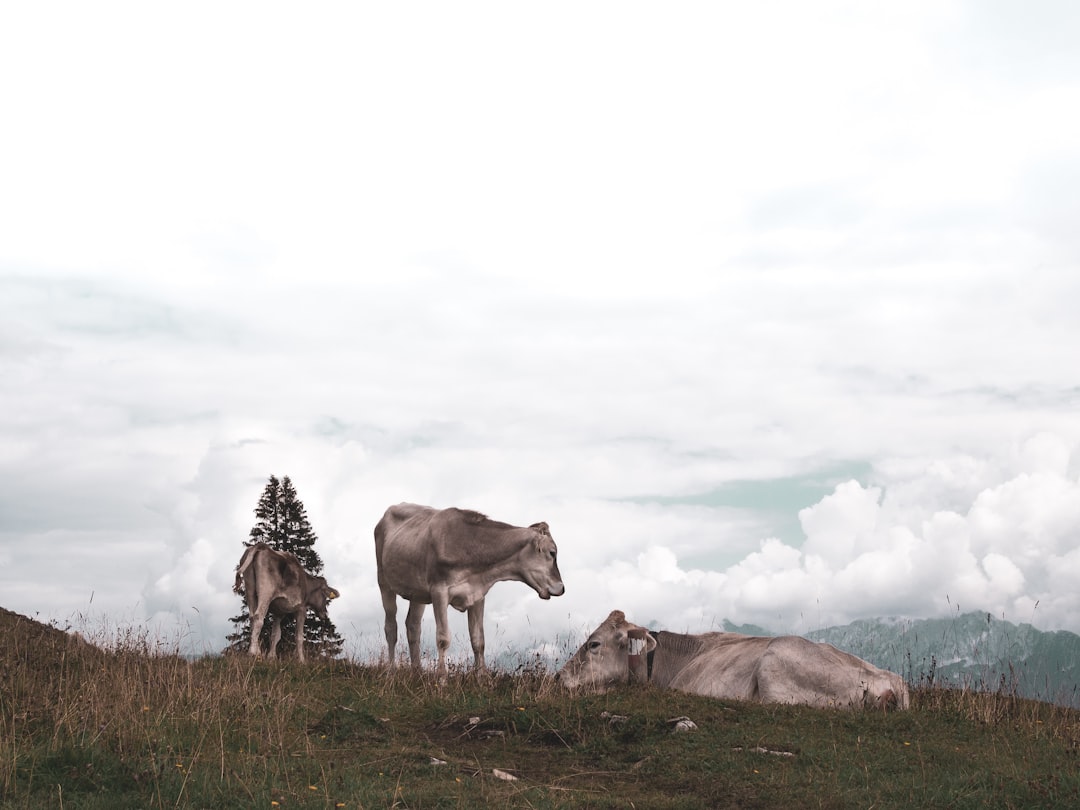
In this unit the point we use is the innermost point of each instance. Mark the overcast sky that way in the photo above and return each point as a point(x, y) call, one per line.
point(768, 309)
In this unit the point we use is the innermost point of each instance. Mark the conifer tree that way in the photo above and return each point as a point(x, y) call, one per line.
point(282, 523)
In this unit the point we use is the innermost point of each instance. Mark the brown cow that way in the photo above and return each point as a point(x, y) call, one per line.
point(781, 669)
point(451, 558)
point(275, 582)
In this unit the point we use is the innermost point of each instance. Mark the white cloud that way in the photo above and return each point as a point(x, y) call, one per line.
point(1006, 578)
point(841, 526)
point(999, 556)
point(586, 273)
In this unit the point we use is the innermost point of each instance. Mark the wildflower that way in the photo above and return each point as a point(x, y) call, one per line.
point(312, 787)
point(907, 743)
point(274, 804)
point(146, 708)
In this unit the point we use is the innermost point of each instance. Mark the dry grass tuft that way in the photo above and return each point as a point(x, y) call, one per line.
point(137, 726)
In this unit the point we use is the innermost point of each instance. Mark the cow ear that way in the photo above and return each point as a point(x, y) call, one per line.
point(331, 593)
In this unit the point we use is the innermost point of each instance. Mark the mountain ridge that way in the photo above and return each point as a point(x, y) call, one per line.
point(971, 650)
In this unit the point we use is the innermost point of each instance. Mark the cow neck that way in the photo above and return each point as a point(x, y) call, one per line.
point(488, 545)
point(678, 650)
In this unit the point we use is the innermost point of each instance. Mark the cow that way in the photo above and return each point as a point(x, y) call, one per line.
point(275, 583)
point(780, 669)
point(451, 558)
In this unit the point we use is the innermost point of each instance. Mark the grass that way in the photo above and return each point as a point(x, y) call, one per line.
point(133, 727)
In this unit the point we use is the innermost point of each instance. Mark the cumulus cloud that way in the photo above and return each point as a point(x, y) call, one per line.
point(1012, 548)
point(841, 526)
point(596, 303)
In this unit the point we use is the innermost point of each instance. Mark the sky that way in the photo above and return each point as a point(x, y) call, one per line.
point(769, 309)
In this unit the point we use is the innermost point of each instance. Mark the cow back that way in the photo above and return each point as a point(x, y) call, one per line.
point(275, 578)
point(722, 666)
point(796, 670)
point(288, 569)
point(439, 541)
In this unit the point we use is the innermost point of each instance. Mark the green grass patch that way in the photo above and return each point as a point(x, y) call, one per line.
point(85, 728)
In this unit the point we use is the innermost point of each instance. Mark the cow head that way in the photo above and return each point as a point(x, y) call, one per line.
point(889, 693)
point(539, 563)
point(605, 657)
point(319, 594)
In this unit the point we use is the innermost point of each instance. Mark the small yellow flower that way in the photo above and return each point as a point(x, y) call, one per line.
point(312, 787)
point(146, 708)
point(274, 804)
point(907, 743)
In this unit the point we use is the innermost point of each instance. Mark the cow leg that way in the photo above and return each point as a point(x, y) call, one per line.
point(256, 631)
point(258, 617)
point(389, 603)
point(440, 601)
point(476, 632)
point(412, 632)
point(275, 636)
point(300, 616)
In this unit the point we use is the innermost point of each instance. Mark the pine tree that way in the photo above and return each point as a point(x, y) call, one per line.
point(282, 523)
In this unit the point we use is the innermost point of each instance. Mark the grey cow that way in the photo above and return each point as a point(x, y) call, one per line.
point(781, 669)
point(274, 582)
point(451, 558)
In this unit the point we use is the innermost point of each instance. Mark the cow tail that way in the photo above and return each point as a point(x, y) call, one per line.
point(241, 567)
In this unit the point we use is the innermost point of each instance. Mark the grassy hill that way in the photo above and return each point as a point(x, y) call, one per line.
point(85, 728)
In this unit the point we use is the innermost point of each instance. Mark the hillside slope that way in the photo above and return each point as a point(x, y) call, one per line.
point(124, 728)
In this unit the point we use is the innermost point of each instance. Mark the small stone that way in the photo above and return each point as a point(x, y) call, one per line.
point(681, 724)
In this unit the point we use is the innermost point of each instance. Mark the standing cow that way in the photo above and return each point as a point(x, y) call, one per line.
point(275, 583)
point(780, 669)
point(452, 557)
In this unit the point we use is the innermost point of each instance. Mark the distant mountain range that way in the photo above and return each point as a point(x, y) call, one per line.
point(973, 650)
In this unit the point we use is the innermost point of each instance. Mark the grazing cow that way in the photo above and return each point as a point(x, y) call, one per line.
point(781, 669)
point(452, 557)
point(275, 582)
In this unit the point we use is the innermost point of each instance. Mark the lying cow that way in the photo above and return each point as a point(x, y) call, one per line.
point(275, 582)
point(781, 669)
point(451, 558)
